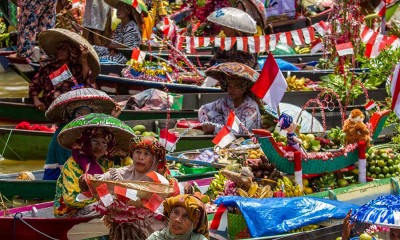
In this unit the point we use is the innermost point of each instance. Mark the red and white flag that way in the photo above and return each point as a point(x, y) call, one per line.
point(271, 84)
point(168, 140)
point(316, 46)
point(154, 203)
point(233, 122)
point(370, 105)
point(168, 27)
point(60, 75)
point(136, 6)
point(345, 49)
point(224, 137)
point(381, 9)
point(138, 55)
point(220, 220)
point(126, 193)
point(395, 90)
point(157, 178)
point(105, 196)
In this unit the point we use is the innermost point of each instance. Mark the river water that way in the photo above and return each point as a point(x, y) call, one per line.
point(12, 85)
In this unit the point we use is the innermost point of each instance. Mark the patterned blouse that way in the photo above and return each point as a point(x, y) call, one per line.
point(67, 186)
point(42, 86)
point(218, 112)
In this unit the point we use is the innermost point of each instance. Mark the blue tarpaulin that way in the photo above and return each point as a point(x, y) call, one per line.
point(272, 216)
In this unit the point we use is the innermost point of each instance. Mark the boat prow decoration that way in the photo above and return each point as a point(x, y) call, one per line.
point(317, 162)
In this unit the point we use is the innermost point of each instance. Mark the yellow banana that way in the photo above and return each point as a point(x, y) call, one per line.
point(253, 189)
point(242, 193)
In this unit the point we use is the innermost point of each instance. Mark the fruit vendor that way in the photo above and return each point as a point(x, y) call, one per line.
point(187, 219)
point(148, 157)
point(127, 34)
point(90, 152)
point(236, 79)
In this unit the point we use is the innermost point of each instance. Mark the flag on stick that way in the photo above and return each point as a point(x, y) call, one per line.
point(345, 49)
point(271, 84)
point(224, 137)
point(395, 90)
point(233, 122)
point(168, 140)
point(60, 75)
point(138, 55)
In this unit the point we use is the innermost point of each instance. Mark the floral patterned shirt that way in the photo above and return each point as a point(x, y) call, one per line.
point(218, 112)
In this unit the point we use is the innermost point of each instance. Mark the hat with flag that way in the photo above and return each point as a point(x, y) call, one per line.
point(227, 71)
point(50, 39)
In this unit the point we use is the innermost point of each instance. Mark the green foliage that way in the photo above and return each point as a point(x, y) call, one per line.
point(343, 88)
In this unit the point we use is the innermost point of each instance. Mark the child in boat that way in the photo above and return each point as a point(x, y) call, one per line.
point(148, 157)
point(127, 34)
point(90, 154)
point(187, 219)
point(236, 79)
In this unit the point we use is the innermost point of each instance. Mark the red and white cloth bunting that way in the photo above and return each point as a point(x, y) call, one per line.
point(105, 196)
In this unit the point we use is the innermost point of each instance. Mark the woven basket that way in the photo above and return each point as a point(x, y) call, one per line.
point(144, 189)
point(237, 227)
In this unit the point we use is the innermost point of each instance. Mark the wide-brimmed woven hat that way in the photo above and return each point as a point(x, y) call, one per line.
point(63, 106)
point(49, 40)
point(232, 70)
point(73, 130)
point(234, 18)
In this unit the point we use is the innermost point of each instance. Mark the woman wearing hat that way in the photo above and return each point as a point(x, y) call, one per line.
point(235, 79)
point(187, 219)
point(93, 139)
point(70, 49)
point(234, 23)
point(127, 34)
point(148, 157)
point(66, 108)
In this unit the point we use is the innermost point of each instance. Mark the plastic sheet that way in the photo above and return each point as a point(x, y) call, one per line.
point(150, 99)
point(272, 216)
point(282, 64)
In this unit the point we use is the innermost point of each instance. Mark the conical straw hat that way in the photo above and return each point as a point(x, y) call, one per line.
point(49, 40)
point(99, 101)
point(233, 18)
point(73, 130)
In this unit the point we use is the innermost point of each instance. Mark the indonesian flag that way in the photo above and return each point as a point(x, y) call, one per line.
point(157, 178)
point(136, 6)
point(370, 105)
point(271, 84)
point(138, 55)
point(233, 122)
point(168, 140)
point(316, 46)
point(105, 196)
point(60, 75)
point(224, 137)
point(220, 220)
point(126, 193)
point(345, 49)
point(168, 28)
point(381, 9)
point(395, 90)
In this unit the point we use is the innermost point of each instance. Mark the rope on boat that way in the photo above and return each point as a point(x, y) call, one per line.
point(18, 216)
point(5, 146)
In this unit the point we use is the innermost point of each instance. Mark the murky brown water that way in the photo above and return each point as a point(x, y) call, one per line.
point(12, 85)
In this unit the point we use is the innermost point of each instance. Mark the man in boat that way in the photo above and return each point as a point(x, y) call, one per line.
point(236, 79)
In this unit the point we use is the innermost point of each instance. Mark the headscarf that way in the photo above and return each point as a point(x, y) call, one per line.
point(194, 207)
point(82, 149)
point(75, 53)
point(150, 143)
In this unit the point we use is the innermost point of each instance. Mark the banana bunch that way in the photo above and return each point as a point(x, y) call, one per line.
point(310, 227)
point(217, 184)
point(302, 50)
point(256, 191)
point(296, 84)
point(289, 189)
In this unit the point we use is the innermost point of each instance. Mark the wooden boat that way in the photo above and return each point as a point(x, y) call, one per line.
point(33, 145)
point(316, 164)
point(45, 189)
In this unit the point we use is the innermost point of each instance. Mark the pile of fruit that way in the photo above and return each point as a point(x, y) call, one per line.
point(141, 130)
point(382, 163)
point(286, 186)
point(265, 169)
point(302, 50)
point(297, 84)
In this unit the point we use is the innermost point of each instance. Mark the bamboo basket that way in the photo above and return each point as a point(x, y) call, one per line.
point(144, 189)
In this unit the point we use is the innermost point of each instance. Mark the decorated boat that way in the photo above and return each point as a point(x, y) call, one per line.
point(318, 162)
